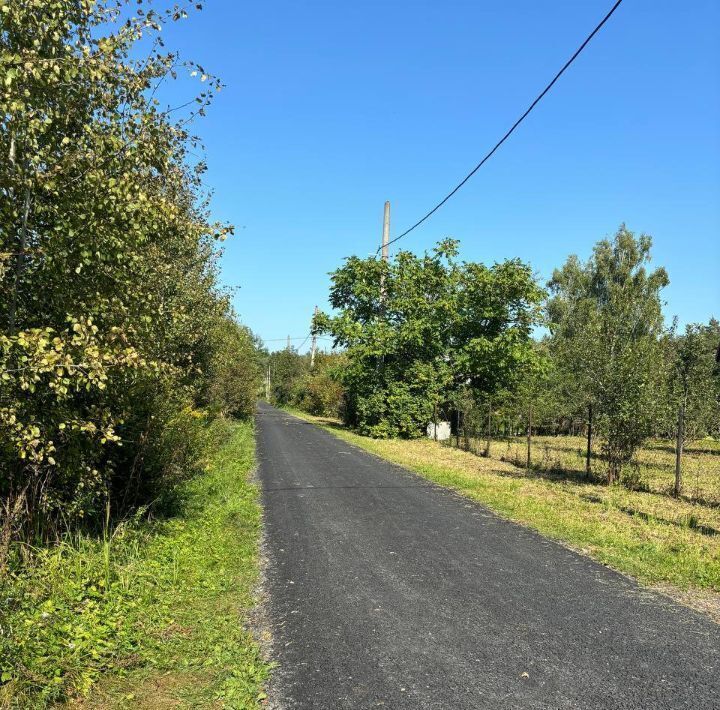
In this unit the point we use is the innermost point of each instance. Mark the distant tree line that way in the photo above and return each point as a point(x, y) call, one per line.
point(429, 337)
point(117, 346)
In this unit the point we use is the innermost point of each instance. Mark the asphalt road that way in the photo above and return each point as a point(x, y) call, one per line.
point(388, 591)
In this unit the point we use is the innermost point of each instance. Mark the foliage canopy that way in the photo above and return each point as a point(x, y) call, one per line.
point(113, 331)
point(420, 328)
point(606, 321)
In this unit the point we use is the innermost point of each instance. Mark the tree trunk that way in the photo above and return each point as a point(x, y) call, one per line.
point(19, 264)
point(679, 443)
point(529, 436)
point(588, 462)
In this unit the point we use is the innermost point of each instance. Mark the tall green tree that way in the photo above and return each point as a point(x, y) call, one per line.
point(435, 326)
point(606, 321)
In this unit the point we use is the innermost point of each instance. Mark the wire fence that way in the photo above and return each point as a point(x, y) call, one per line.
point(574, 456)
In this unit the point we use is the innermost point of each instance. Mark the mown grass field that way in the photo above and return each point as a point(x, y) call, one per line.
point(654, 469)
point(671, 544)
point(152, 617)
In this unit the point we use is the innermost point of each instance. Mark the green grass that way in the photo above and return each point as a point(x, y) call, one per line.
point(152, 617)
point(655, 538)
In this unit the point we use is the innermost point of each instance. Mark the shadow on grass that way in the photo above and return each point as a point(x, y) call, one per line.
point(332, 424)
point(550, 473)
point(700, 500)
point(554, 471)
point(557, 443)
point(696, 449)
point(689, 521)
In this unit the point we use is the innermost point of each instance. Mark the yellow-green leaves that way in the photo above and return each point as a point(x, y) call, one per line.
point(118, 235)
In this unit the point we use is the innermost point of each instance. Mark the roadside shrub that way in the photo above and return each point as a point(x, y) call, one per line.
point(94, 604)
point(396, 411)
point(115, 339)
point(632, 477)
point(320, 394)
point(233, 371)
point(319, 391)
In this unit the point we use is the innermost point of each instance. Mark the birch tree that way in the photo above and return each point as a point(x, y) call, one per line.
point(606, 321)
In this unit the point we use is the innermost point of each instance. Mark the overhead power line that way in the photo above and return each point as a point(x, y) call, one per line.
point(277, 340)
point(300, 337)
point(514, 126)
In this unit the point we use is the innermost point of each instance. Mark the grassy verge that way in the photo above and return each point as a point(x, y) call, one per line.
point(151, 618)
point(656, 539)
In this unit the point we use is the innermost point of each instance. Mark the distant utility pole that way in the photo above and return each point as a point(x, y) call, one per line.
point(288, 343)
point(267, 385)
point(313, 343)
point(385, 242)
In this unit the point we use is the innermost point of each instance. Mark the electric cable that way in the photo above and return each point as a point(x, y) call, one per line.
point(511, 130)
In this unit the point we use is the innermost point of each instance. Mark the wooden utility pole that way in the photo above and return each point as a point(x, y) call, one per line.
point(588, 458)
point(313, 342)
point(386, 231)
point(679, 444)
point(385, 245)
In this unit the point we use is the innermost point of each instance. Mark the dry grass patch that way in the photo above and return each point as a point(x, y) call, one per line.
point(654, 467)
point(157, 692)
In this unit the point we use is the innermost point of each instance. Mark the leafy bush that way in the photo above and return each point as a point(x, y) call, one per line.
point(314, 387)
point(113, 331)
point(319, 391)
point(287, 369)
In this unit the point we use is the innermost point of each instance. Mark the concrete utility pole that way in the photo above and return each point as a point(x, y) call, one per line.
point(386, 231)
point(385, 243)
point(313, 343)
point(267, 385)
point(288, 343)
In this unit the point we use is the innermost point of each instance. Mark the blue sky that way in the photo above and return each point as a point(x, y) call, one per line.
point(331, 108)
